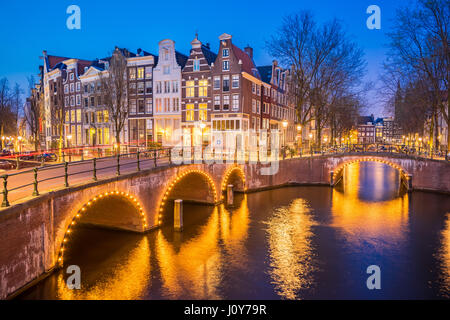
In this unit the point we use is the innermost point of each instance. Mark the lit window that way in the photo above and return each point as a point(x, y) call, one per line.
point(190, 89)
point(203, 88)
point(140, 73)
point(132, 73)
point(105, 115)
point(202, 112)
point(190, 112)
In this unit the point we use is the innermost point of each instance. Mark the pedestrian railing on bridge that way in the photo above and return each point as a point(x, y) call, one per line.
point(63, 174)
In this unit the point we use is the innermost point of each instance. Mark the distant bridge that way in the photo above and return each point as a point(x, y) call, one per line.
point(136, 194)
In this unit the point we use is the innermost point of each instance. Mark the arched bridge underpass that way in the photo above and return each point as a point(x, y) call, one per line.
point(34, 231)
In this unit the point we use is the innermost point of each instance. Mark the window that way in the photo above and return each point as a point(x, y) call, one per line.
point(253, 105)
point(72, 87)
point(92, 101)
point(253, 88)
point(258, 107)
point(132, 88)
point(196, 65)
point(78, 86)
point(72, 101)
point(140, 87)
point(148, 72)
point(203, 88)
point(158, 105)
point(225, 53)
point(132, 73)
point(67, 118)
point(158, 87)
point(148, 87)
point(99, 100)
point(216, 83)
point(86, 88)
point(190, 112)
point(226, 102)
point(190, 89)
point(78, 115)
point(235, 81)
point(166, 86)
point(216, 103)
point(202, 112)
point(175, 86)
point(226, 83)
point(133, 106)
point(99, 116)
point(235, 103)
point(140, 73)
point(148, 105)
point(86, 102)
point(166, 70)
point(66, 101)
point(258, 90)
point(71, 76)
point(106, 115)
point(225, 65)
point(141, 107)
point(78, 100)
point(176, 104)
point(166, 104)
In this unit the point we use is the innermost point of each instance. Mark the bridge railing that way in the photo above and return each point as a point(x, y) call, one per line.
point(61, 174)
point(30, 182)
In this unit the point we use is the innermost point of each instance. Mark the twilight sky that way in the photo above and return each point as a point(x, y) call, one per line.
point(28, 27)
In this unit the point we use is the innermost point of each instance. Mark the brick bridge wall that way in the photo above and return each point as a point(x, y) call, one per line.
point(32, 232)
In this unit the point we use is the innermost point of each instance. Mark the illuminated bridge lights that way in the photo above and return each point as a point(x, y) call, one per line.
point(227, 176)
point(393, 165)
point(172, 184)
point(132, 199)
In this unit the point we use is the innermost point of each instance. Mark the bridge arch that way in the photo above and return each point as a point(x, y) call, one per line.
point(338, 170)
point(234, 175)
point(90, 205)
point(180, 187)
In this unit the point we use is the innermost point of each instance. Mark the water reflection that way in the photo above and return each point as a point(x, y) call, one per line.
point(290, 243)
point(290, 249)
point(124, 276)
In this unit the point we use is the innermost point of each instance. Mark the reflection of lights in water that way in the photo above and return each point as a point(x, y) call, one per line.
point(234, 230)
point(125, 281)
point(291, 260)
point(193, 269)
point(444, 257)
point(364, 221)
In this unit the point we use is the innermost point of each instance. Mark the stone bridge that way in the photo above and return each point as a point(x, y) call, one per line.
point(35, 232)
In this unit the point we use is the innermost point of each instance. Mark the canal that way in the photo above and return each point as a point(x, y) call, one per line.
point(289, 243)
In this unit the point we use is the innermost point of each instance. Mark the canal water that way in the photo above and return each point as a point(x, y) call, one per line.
point(289, 243)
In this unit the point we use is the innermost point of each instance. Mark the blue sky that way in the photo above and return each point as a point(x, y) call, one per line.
point(28, 27)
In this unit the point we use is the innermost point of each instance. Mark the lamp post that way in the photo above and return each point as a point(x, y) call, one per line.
point(69, 138)
point(202, 126)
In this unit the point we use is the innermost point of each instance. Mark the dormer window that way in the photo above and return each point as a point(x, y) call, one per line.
point(225, 52)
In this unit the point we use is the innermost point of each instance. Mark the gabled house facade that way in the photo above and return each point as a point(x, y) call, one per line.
point(167, 93)
point(196, 103)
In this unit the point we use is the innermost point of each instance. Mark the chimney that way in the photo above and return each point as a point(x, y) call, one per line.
point(249, 51)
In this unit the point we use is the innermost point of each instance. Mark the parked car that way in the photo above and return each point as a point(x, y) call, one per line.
point(47, 157)
point(27, 156)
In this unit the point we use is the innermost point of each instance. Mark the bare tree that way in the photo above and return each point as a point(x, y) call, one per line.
point(33, 112)
point(325, 66)
point(7, 117)
point(114, 82)
point(419, 48)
